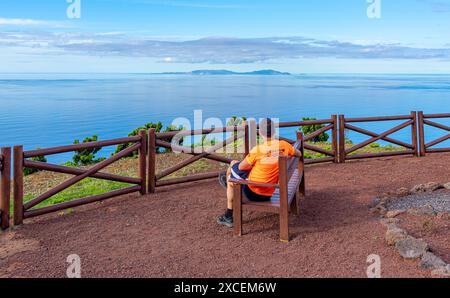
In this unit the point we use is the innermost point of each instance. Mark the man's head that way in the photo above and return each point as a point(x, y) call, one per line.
point(266, 128)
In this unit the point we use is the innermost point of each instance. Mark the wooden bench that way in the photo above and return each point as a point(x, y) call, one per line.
point(290, 190)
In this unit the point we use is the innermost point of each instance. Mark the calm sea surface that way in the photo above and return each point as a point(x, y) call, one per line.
point(43, 110)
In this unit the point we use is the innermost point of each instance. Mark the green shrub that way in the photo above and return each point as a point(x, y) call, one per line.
point(309, 129)
point(29, 171)
point(169, 129)
point(236, 121)
point(86, 156)
point(157, 126)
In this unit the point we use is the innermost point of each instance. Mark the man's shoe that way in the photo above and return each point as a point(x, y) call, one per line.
point(225, 221)
point(223, 180)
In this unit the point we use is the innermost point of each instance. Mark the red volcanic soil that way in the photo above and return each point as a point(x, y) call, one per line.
point(174, 232)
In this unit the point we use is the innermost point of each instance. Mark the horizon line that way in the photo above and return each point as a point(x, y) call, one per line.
point(187, 72)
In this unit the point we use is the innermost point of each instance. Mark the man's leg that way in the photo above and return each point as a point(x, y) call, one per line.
point(230, 187)
point(227, 218)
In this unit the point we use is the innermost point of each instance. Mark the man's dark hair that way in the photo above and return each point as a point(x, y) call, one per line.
point(266, 128)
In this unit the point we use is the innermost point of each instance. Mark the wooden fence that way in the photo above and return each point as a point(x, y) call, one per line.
point(24, 210)
point(423, 122)
point(164, 140)
point(350, 153)
point(5, 186)
point(149, 144)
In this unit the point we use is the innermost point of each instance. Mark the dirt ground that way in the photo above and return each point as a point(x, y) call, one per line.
point(174, 234)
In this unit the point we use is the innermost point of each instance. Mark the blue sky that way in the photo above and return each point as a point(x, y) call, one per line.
point(299, 36)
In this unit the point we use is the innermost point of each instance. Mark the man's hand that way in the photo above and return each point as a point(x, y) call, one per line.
point(298, 153)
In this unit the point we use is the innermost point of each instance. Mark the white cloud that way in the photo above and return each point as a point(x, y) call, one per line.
point(22, 22)
point(217, 50)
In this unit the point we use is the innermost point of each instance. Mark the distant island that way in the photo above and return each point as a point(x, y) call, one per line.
point(222, 72)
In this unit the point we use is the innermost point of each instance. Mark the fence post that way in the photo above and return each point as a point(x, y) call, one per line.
point(414, 133)
point(421, 135)
point(18, 185)
point(246, 138)
point(341, 139)
point(151, 149)
point(143, 161)
point(334, 138)
point(253, 133)
point(5, 187)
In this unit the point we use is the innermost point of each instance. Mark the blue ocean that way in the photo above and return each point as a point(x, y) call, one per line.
point(45, 110)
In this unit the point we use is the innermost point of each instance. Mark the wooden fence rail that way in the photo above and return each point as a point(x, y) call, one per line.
point(168, 140)
point(423, 122)
point(350, 153)
point(5, 186)
point(328, 125)
point(24, 210)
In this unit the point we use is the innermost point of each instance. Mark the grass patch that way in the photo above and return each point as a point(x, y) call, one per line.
point(85, 188)
point(372, 148)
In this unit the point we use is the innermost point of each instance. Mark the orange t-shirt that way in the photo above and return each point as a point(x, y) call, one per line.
point(264, 159)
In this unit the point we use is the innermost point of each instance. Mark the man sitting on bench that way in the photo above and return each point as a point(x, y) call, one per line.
point(260, 165)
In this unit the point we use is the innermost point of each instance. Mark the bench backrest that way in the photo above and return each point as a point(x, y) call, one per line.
point(288, 165)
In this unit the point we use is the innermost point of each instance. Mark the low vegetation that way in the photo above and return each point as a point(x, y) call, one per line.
point(86, 157)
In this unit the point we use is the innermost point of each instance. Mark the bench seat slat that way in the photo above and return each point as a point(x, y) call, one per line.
point(293, 185)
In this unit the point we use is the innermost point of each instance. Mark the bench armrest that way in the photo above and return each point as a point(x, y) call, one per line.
point(252, 183)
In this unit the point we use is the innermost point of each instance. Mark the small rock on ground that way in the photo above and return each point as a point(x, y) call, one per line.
point(394, 213)
point(426, 210)
point(379, 209)
point(418, 188)
point(441, 272)
point(431, 261)
point(388, 222)
point(394, 234)
point(402, 192)
point(432, 186)
point(411, 248)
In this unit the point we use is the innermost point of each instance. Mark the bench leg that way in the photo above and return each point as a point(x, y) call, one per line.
point(302, 188)
point(295, 204)
point(284, 225)
point(237, 210)
point(299, 197)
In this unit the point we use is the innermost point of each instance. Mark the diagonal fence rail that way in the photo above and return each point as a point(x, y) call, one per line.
point(23, 210)
point(352, 152)
point(424, 121)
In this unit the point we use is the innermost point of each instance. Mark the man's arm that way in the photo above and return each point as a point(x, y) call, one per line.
point(245, 165)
